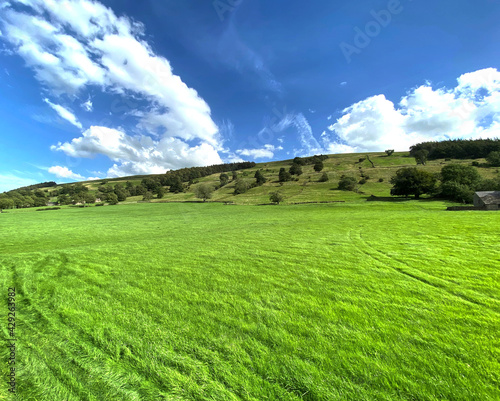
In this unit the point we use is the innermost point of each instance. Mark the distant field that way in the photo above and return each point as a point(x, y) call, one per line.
point(354, 301)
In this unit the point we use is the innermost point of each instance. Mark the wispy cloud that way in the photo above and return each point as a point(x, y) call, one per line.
point(64, 113)
point(266, 152)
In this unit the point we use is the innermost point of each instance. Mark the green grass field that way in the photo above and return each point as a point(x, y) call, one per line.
point(354, 301)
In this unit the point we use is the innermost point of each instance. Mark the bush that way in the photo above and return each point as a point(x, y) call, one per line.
point(389, 152)
point(347, 183)
point(475, 164)
point(323, 178)
point(203, 191)
point(380, 180)
point(240, 187)
point(276, 197)
point(362, 181)
point(100, 204)
point(457, 192)
point(318, 166)
point(494, 159)
point(295, 169)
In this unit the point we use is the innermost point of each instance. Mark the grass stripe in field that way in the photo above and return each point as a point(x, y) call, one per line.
point(170, 301)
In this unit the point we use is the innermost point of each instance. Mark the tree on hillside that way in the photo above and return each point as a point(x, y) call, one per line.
point(224, 179)
point(296, 169)
point(39, 202)
point(203, 191)
point(6, 203)
point(160, 192)
point(111, 198)
point(240, 187)
point(389, 152)
point(63, 199)
point(318, 166)
point(284, 175)
point(421, 156)
point(276, 197)
point(176, 186)
point(147, 196)
point(89, 198)
point(462, 174)
point(235, 175)
point(324, 177)
point(260, 178)
point(459, 182)
point(412, 181)
point(494, 159)
point(347, 183)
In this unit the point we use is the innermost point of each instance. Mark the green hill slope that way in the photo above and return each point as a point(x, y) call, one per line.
point(304, 188)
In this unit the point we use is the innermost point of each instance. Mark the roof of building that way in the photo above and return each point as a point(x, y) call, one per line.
point(489, 197)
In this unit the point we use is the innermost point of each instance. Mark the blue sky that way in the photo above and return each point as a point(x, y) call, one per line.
point(91, 89)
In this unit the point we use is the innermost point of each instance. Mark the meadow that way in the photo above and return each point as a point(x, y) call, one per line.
point(350, 301)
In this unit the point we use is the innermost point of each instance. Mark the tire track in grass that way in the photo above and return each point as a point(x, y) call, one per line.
point(81, 334)
point(56, 321)
point(423, 277)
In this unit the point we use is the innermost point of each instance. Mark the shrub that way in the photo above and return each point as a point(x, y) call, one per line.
point(323, 178)
point(296, 169)
point(494, 159)
point(347, 183)
point(203, 191)
point(457, 192)
point(276, 197)
point(380, 180)
point(362, 181)
point(240, 187)
point(389, 152)
point(475, 164)
point(318, 166)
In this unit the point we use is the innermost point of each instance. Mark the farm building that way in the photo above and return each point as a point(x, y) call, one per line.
point(487, 200)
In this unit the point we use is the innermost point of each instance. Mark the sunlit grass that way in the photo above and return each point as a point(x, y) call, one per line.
point(355, 301)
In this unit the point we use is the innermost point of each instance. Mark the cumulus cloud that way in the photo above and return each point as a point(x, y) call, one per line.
point(64, 172)
point(140, 154)
point(74, 44)
point(267, 152)
point(470, 110)
point(64, 113)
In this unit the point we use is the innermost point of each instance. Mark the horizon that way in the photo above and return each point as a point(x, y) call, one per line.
point(96, 90)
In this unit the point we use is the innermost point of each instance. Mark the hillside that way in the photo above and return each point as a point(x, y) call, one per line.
point(303, 188)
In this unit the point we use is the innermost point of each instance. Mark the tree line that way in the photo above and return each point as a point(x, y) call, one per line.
point(455, 149)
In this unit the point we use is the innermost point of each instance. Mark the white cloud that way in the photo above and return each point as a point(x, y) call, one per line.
point(64, 113)
point(94, 179)
point(267, 152)
point(74, 44)
point(309, 144)
point(64, 172)
point(87, 106)
point(470, 110)
point(140, 154)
